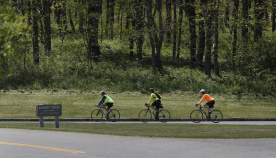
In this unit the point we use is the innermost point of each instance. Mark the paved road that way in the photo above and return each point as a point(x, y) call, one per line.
point(17, 143)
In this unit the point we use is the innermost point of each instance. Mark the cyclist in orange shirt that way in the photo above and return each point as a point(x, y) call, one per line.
point(210, 101)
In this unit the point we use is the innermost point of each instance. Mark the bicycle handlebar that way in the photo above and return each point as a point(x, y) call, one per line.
point(147, 105)
point(198, 105)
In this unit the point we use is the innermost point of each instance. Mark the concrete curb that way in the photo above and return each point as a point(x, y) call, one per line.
point(126, 119)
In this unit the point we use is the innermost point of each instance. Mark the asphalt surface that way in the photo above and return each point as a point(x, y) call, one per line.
point(18, 143)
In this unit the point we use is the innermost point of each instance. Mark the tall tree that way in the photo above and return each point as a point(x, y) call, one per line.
point(245, 24)
point(35, 17)
point(168, 19)
point(110, 17)
point(234, 27)
point(259, 14)
point(216, 32)
point(181, 8)
point(139, 27)
point(227, 13)
point(190, 11)
point(201, 33)
point(273, 18)
point(81, 18)
point(47, 25)
point(208, 22)
point(156, 34)
point(94, 13)
point(174, 29)
point(130, 25)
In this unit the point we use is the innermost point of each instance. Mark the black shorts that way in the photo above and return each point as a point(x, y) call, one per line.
point(157, 104)
point(109, 105)
point(211, 104)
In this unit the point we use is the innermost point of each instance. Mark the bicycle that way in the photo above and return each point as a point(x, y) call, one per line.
point(197, 115)
point(98, 113)
point(145, 115)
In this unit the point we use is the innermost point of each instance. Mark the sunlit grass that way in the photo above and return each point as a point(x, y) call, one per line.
point(77, 104)
point(213, 131)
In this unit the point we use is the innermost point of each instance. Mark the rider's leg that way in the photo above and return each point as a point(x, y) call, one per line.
point(109, 105)
point(207, 107)
point(106, 109)
point(153, 108)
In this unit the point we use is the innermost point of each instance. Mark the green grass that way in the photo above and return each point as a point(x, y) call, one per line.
point(76, 104)
point(213, 131)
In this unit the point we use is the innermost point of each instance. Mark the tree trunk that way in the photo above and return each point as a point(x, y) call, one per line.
point(201, 32)
point(235, 15)
point(139, 27)
point(47, 26)
point(71, 22)
point(168, 19)
point(208, 22)
point(57, 12)
point(273, 15)
point(94, 10)
point(130, 24)
point(153, 31)
point(259, 14)
point(35, 33)
point(174, 29)
point(245, 24)
point(110, 17)
point(227, 12)
point(180, 27)
point(81, 19)
point(120, 18)
point(216, 32)
point(190, 10)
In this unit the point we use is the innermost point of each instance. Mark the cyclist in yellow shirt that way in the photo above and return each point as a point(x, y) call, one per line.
point(210, 101)
point(155, 102)
point(106, 101)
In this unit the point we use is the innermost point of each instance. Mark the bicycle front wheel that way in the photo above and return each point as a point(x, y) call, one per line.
point(145, 115)
point(216, 116)
point(114, 114)
point(196, 116)
point(97, 114)
point(164, 115)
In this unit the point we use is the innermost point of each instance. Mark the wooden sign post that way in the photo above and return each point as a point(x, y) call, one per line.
point(48, 110)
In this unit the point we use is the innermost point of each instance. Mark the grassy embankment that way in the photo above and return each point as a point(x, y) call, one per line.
point(15, 104)
point(75, 104)
point(216, 131)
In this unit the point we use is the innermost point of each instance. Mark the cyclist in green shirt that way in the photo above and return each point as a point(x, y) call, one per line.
point(154, 102)
point(106, 101)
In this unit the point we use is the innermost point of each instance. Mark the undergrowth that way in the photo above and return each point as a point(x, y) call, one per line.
point(68, 68)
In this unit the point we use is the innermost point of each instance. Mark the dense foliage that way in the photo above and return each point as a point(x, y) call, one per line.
point(120, 56)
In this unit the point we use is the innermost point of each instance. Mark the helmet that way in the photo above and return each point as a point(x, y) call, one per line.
point(151, 89)
point(102, 92)
point(202, 91)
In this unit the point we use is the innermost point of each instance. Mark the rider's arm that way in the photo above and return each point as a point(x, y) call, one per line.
point(102, 101)
point(201, 100)
point(206, 97)
point(152, 96)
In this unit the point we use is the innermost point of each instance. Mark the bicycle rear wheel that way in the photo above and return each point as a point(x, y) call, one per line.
point(145, 115)
point(164, 115)
point(114, 114)
point(196, 116)
point(97, 114)
point(216, 116)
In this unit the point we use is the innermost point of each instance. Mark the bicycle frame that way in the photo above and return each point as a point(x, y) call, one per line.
point(200, 108)
point(214, 116)
point(99, 112)
point(149, 109)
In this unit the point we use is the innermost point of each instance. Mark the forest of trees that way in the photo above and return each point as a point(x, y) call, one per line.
point(215, 37)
